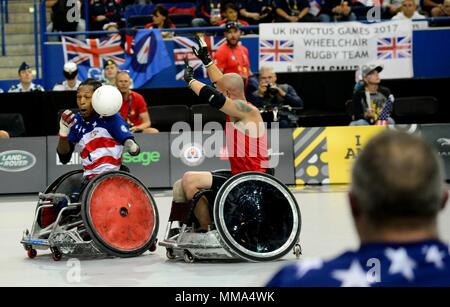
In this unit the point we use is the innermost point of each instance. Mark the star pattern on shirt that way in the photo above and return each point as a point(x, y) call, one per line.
point(305, 266)
point(401, 263)
point(94, 124)
point(434, 255)
point(355, 276)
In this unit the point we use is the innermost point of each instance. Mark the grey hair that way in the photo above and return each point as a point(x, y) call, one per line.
point(398, 176)
point(266, 68)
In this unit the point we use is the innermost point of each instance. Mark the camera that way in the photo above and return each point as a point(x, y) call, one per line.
point(271, 91)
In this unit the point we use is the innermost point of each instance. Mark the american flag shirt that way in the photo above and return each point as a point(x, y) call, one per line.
point(418, 264)
point(99, 142)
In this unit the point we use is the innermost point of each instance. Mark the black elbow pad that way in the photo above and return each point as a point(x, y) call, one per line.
point(212, 96)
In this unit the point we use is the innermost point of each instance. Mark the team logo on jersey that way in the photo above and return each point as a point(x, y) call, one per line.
point(16, 160)
point(192, 154)
point(124, 129)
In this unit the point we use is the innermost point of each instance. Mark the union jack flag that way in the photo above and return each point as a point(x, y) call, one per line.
point(183, 49)
point(394, 47)
point(276, 50)
point(93, 52)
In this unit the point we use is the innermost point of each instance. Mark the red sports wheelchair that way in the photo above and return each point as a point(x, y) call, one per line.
point(114, 215)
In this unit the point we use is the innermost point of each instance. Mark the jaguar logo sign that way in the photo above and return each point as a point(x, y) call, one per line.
point(16, 161)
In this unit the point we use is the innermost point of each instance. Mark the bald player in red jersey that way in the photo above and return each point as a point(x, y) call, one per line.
point(246, 135)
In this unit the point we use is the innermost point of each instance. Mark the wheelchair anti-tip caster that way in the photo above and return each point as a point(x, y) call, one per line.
point(169, 254)
point(188, 258)
point(56, 254)
point(153, 247)
point(297, 250)
point(31, 252)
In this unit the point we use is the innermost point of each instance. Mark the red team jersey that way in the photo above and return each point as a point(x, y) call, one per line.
point(245, 153)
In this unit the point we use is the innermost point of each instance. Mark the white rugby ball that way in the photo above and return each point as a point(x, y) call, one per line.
point(107, 100)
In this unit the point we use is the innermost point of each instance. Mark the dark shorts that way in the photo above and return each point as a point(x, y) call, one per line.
point(219, 179)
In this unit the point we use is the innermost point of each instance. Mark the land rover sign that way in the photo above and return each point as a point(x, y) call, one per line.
point(16, 160)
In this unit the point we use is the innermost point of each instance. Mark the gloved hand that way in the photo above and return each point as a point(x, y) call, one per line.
point(188, 72)
point(202, 51)
point(66, 122)
point(132, 147)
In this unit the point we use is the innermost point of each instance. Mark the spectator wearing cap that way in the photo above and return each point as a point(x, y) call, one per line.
point(208, 13)
point(110, 70)
point(71, 83)
point(408, 11)
point(134, 107)
point(233, 56)
point(293, 11)
point(230, 13)
point(161, 20)
point(112, 27)
point(256, 11)
point(26, 81)
point(369, 103)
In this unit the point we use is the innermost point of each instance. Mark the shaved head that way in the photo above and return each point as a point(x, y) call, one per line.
point(232, 85)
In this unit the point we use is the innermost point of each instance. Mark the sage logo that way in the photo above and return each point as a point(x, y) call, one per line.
point(16, 160)
point(145, 158)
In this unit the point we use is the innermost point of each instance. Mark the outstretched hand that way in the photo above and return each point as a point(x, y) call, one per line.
point(202, 51)
point(188, 71)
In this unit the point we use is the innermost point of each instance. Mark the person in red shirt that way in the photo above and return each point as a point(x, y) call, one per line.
point(134, 108)
point(246, 136)
point(232, 57)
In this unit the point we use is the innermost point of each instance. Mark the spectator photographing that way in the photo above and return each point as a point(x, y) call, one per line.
point(396, 194)
point(271, 95)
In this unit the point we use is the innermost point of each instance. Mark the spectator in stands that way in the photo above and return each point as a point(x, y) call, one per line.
point(71, 83)
point(161, 20)
point(270, 94)
point(60, 10)
point(336, 10)
point(112, 27)
point(256, 11)
point(4, 134)
point(230, 13)
point(371, 102)
point(293, 11)
point(110, 70)
point(26, 81)
point(208, 13)
point(233, 56)
point(134, 108)
point(438, 8)
point(103, 12)
point(396, 194)
point(408, 11)
point(390, 8)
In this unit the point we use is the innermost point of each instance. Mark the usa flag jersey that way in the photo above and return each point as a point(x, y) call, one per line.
point(418, 264)
point(99, 142)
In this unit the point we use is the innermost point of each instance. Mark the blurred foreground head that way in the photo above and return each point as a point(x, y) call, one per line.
point(397, 188)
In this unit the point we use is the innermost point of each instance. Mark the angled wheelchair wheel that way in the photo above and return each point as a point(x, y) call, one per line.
point(120, 214)
point(257, 217)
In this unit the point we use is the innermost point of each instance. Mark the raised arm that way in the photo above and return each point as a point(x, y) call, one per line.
point(237, 109)
point(214, 73)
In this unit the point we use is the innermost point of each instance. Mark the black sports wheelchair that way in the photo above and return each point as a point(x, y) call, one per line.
point(255, 218)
